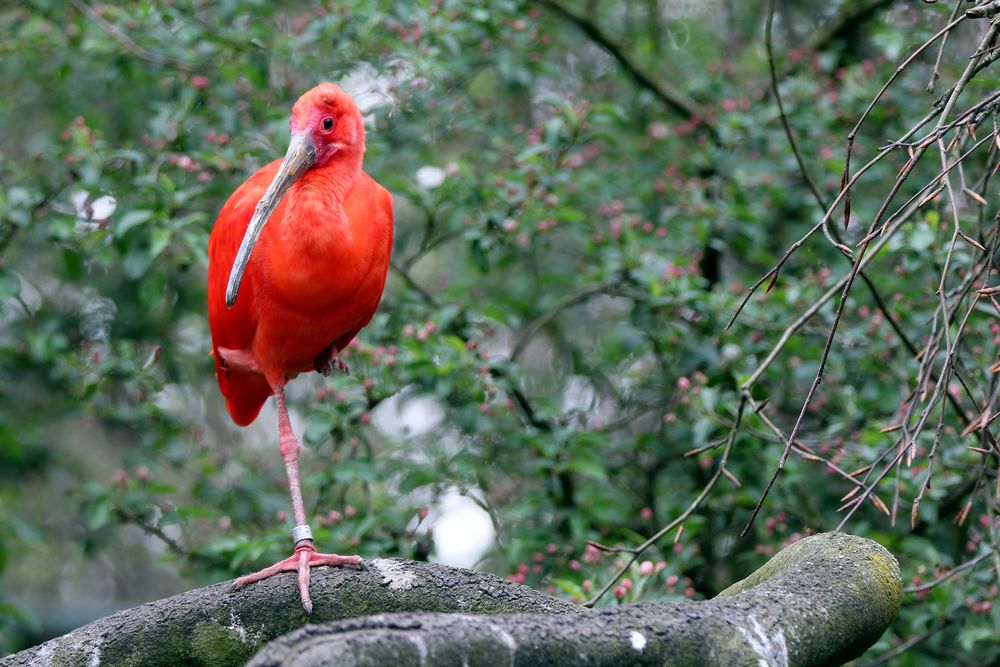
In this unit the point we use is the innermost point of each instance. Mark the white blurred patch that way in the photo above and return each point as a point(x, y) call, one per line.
point(429, 177)
point(87, 211)
point(463, 531)
point(408, 416)
point(372, 89)
point(579, 395)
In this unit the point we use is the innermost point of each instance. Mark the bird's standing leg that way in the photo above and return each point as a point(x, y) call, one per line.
point(305, 555)
point(329, 360)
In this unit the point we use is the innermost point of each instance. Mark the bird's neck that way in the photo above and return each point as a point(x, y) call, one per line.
point(315, 210)
point(333, 180)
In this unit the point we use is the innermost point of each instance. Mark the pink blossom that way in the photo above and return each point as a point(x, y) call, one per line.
point(657, 130)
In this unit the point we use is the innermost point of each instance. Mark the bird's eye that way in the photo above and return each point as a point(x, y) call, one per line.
point(327, 124)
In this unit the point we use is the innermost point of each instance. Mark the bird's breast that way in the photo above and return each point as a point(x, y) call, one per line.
point(315, 262)
point(318, 277)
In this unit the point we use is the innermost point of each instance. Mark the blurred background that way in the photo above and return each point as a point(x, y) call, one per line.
point(584, 192)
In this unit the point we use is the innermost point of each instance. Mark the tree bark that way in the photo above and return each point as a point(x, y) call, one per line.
point(821, 601)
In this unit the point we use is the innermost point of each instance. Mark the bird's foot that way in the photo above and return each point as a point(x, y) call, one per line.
point(329, 361)
point(304, 558)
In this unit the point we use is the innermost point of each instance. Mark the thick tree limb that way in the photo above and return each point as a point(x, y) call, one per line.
point(215, 626)
point(821, 601)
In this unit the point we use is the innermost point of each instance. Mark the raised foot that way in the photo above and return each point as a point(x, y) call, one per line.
point(304, 558)
point(329, 361)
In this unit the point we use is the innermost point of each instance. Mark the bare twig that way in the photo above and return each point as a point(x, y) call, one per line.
point(692, 508)
point(562, 304)
point(950, 574)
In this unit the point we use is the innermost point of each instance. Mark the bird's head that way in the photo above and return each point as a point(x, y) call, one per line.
point(329, 118)
point(326, 127)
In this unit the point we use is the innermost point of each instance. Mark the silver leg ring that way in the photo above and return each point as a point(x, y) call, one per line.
point(301, 533)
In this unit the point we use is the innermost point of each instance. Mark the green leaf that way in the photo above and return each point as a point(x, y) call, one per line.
point(570, 587)
point(130, 220)
point(10, 286)
point(589, 468)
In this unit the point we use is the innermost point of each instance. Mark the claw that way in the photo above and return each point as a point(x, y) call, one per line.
point(304, 558)
point(329, 361)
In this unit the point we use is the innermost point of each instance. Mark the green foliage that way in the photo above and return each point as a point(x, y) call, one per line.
point(556, 315)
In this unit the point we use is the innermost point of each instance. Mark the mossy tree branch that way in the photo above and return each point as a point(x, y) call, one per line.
point(821, 601)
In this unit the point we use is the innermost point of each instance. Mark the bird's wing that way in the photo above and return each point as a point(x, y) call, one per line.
point(233, 328)
point(368, 200)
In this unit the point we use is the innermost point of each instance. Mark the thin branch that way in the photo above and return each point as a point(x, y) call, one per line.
point(671, 96)
point(414, 285)
point(854, 14)
point(126, 41)
point(950, 574)
point(571, 299)
point(692, 508)
point(909, 643)
point(936, 72)
point(879, 303)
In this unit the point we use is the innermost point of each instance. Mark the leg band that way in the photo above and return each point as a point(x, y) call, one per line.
point(301, 533)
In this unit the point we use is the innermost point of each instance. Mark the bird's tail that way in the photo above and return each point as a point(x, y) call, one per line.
point(245, 392)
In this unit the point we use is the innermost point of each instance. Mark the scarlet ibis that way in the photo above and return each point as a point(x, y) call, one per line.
point(297, 263)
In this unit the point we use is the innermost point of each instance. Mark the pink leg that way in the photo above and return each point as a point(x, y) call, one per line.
point(305, 555)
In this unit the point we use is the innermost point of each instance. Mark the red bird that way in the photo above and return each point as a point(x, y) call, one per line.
point(296, 266)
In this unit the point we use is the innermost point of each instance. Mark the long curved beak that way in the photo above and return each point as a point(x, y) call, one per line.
point(300, 156)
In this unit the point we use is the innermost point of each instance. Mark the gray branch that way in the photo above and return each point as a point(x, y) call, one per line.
point(821, 601)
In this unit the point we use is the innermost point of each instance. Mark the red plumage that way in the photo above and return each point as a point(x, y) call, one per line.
point(314, 279)
point(296, 266)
